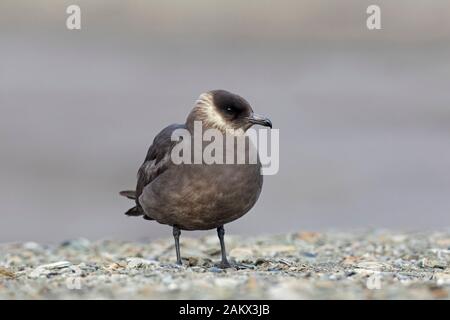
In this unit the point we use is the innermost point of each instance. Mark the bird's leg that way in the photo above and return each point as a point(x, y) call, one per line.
point(221, 233)
point(176, 236)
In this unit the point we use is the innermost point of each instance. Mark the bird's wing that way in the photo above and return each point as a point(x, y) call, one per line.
point(157, 160)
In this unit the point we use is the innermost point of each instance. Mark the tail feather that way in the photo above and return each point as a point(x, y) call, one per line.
point(137, 210)
point(130, 194)
point(134, 212)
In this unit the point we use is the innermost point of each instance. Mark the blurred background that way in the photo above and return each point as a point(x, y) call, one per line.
point(364, 116)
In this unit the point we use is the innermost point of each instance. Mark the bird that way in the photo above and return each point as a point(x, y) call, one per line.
point(199, 196)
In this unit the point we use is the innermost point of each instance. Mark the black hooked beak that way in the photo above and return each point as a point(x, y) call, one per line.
point(257, 119)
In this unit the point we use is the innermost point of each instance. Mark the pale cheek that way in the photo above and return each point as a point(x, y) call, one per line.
point(212, 117)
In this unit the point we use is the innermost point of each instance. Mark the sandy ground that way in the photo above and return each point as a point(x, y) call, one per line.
point(363, 265)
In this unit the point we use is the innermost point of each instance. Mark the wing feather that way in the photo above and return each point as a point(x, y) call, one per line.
point(157, 160)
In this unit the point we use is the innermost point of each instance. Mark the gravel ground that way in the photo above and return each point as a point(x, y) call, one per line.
point(306, 265)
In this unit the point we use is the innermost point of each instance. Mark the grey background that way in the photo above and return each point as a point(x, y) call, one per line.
point(364, 116)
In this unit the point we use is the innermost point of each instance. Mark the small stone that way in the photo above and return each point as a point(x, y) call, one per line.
point(441, 254)
point(6, 273)
point(198, 261)
point(243, 266)
point(136, 263)
point(286, 262)
point(432, 263)
point(33, 246)
point(260, 261)
point(198, 269)
point(403, 278)
point(350, 273)
point(372, 265)
point(276, 269)
point(57, 265)
point(350, 260)
point(77, 244)
point(309, 254)
point(113, 266)
point(49, 269)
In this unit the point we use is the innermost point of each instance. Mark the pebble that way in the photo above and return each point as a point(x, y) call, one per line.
point(372, 265)
point(78, 244)
point(51, 268)
point(31, 246)
point(333, 265)
point(433, 263)
point(309, 254)
point(6, 273)
point(136, 263)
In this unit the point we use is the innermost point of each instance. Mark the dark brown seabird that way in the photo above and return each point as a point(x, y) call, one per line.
point(199, 196)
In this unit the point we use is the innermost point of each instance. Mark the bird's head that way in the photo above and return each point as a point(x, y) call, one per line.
point(224, 111)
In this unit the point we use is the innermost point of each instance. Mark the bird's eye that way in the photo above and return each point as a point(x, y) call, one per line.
point(229, 110)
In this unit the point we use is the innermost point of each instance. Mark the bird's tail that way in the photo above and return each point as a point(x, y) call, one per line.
point(134, 212)
point(131, 195)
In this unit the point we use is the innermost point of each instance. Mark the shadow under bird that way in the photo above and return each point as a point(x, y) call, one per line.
point(202, 196)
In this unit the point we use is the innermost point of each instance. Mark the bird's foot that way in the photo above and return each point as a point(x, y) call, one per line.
point(176, 265)
point(234, 265)
point(224, 264)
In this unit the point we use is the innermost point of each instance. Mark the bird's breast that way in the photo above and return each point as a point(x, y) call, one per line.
point(198, 197)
